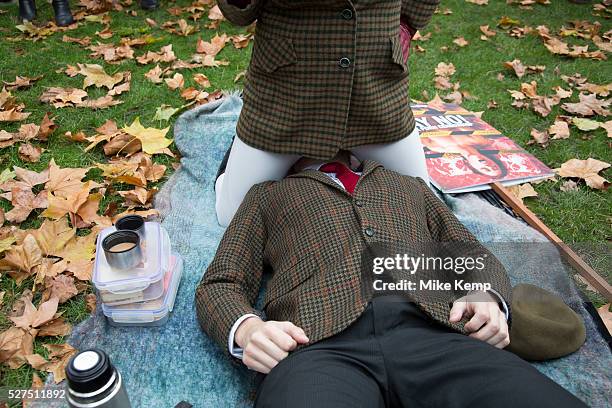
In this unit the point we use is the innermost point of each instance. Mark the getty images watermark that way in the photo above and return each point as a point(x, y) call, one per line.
point(412, 265)
point(431, 271)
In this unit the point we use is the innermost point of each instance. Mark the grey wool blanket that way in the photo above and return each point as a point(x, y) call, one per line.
point(165, 365)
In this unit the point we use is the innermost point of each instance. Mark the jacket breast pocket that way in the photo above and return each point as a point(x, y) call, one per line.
point(397, 55)
point(286, 280)
point(271, 53)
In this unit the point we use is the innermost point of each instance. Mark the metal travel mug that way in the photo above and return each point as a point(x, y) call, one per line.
point(93, 382)
point(122, 249)
point(132, 223)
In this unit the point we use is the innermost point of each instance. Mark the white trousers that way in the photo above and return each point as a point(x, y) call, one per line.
point(248, 166)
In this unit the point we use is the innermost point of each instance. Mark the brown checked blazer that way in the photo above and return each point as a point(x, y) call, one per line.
point(311, 233)
point(326, 75)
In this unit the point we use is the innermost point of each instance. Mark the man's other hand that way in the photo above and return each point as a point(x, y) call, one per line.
point(488, 323)
point(265, 344)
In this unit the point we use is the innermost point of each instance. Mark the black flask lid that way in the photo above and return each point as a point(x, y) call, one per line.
point(89, 371)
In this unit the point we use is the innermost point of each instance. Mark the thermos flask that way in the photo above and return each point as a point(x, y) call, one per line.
point(92, 381)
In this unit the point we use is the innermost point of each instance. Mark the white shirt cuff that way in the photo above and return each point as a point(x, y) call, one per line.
point(234, 350)
point(502, 301)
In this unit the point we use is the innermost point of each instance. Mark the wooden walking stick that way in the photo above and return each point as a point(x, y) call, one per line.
point(582, 267)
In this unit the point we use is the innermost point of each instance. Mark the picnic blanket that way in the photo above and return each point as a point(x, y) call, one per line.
point(165, 365)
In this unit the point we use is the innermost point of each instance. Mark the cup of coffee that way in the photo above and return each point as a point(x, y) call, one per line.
point(122, 249)
point(132, 223)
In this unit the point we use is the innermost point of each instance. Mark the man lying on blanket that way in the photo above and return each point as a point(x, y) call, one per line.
point(322, 343)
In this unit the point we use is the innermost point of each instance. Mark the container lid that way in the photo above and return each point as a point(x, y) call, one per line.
point(153, 291)
point(144, 312)
point(89, 371)
point(156, 250)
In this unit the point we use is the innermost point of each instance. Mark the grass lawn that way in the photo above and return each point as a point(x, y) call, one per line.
point(578, 216)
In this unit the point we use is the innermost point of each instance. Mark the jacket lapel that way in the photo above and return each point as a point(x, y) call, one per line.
point(367, 167)
point(318, 176)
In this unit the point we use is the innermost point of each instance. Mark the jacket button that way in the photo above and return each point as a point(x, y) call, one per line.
point(359, 203)
point(369, 232)
point(345, 62)
point(347, 14)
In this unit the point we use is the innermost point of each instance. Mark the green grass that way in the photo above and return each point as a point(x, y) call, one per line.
point(47, 56)
point(577, 217)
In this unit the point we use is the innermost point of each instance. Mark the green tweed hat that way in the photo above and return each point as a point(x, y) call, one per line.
point(543, 326)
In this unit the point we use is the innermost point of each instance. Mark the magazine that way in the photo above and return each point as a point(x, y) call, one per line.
point(464, 153)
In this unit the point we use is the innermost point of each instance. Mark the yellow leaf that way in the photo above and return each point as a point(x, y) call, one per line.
point(52, 236)
point(6, 243)
point(177, 81)
point(95, 75)
point(59, 355)
point(165, 112)
point(587, 170)
point(608, 127)
point(60, 206)
point(445, 70)
point(56, 327)
point(33, 317)
point(89, 212)
point(23, 257)
point(123, 172)
point(559, 130)
point(15, 345)
point(586, 124)
point(506, 22)
point(460, 41)
point(153, 140)
point(523, 191)
point(81, 248)
point(65, 182)
point(213, 47)
point(154, 75)
point(81, 269)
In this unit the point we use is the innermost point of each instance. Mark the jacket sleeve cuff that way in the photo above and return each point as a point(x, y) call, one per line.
point(240, 12)
point(502, 303)
point(411, 30)
point(242, 4)
point(232, 347)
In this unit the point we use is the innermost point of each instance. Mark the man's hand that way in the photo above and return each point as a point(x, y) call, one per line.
point(488, 323)
point(265, 344)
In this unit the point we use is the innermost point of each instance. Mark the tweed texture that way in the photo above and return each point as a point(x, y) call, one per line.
point(326, 75)
point(313, 234)
point(164, 365)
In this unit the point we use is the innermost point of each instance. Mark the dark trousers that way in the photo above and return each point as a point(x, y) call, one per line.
point(396, 356)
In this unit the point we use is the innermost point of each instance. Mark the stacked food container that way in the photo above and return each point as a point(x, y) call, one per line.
point(136, 273)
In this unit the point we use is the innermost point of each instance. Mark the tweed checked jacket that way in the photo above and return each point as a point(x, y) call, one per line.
point(312, 233)
point(326, 75)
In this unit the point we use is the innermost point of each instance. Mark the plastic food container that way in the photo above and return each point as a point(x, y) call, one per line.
point(154, 312)
point(142, 283)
